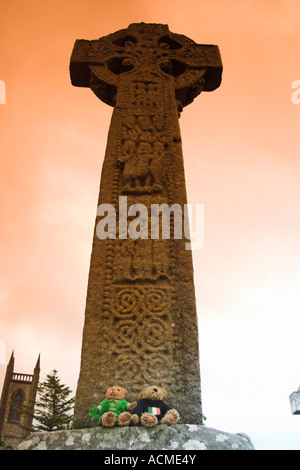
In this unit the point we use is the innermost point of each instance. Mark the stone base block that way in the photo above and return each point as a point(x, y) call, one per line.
point(179, 437)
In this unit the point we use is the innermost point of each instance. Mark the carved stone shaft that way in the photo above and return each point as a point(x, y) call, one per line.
point(140, 319)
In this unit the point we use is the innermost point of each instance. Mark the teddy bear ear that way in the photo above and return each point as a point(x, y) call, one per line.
point(164, 392)
point(125, 391)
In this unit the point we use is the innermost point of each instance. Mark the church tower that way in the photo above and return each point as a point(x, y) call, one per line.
point(18, 389)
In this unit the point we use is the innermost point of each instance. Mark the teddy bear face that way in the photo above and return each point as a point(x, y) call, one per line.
point(116, 393)
point(153, 393)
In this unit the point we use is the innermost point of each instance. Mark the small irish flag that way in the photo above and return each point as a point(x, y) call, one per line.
point(153, 410)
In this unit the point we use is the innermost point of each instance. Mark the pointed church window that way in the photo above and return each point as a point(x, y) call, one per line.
point(16, 403)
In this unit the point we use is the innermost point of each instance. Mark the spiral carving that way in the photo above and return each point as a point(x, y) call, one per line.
point(156, 301)
point(126, 303)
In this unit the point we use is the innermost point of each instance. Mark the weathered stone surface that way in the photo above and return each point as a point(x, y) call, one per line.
point(295, 402)
point(140, 320)
point(173, 438)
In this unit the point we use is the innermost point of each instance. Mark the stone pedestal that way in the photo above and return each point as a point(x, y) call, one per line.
point(180, 437)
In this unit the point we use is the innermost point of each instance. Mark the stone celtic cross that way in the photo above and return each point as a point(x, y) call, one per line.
point(140, 319)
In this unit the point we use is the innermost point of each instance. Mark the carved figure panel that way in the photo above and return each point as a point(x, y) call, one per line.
point(142, 157)
point(142, 261)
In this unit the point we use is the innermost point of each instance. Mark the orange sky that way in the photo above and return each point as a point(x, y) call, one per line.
point(241, 153)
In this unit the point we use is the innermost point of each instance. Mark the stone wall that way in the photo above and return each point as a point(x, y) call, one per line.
point(175, 438)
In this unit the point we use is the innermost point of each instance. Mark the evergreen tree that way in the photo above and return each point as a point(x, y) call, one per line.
point(52, 409)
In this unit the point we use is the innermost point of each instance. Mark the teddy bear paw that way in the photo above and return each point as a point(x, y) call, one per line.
point(147, 419)
point(135, 419)
point(171, 417)
point(124, 419)
point(132, 405)
point(108, 419)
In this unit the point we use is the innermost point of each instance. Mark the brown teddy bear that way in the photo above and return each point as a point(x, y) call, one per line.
point(114, 409)
point(151, 409)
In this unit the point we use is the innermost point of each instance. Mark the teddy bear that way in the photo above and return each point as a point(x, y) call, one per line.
point(114, 409)
point(151, 410)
